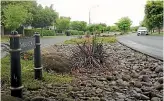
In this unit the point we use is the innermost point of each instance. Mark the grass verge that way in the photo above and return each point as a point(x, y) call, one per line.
point(4, 39)
point(156, 34)
point(27, 66)
point(99, 39)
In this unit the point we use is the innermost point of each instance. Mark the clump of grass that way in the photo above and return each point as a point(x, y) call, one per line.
point(107, 39)
point(28, 80)
point(99, 39)
point(4, 38)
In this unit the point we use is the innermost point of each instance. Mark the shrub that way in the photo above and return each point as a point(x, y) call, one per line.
point(81, 32)
point(30, 32)
point(75, 32)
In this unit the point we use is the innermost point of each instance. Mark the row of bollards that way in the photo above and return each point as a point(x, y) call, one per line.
point(16, 80)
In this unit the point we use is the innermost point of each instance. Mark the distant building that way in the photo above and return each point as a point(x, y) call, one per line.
point(51, 27)
point(28, 27)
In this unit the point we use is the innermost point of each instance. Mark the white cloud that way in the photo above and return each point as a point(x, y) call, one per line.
point(109, 11)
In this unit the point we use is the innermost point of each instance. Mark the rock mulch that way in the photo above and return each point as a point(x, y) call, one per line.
point(129, 76)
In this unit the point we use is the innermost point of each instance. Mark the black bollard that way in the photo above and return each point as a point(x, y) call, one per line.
point(16, 82)
point(37, 57)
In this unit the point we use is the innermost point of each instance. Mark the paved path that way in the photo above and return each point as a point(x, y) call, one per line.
point(45, 42)
point(150, 45)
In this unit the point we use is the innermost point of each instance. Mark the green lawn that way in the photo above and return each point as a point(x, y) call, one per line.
point(28, 74)
point(156, 34)
point(99, 39)
point(4, 39)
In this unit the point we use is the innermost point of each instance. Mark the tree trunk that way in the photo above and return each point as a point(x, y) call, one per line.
point(158, 30)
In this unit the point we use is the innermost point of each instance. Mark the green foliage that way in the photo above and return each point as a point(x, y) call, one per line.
point(30, 6)
point(124, 24)
point(114, 28)
point(98, 39)
point(44, 17)
point(154, 14)
point(135, 28)
point(78, 25)
point(30, 32)
point(75, 32)
point(28, 75)
point(97, 27)
point(62, 23)
point(108, 28)
point(4, 38)
point(15, 15)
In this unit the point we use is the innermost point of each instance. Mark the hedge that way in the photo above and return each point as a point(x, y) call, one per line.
point(30, 32)
point(75, 32)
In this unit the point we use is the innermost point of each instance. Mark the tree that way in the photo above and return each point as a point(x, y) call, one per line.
point(15, 15)
point(114, 28)
point(63, 23)
point(124, 24)
point(108, 28)
point(154, 14)
point(134, 28)
point(78, 25)
point(30, 6)
point(44, 17)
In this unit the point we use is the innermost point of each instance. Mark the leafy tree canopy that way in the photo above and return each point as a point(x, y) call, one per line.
point(15, 16)
point(124, 24)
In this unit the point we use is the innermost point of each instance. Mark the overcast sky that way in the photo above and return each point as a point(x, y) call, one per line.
point(104, 11)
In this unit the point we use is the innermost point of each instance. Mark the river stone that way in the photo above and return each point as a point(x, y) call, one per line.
point(144, 97)
point(9, 98)
point(159, 69)
point(145, 78)
point(160, 74)
point(98, 84)
point(155, 99)
point(137, 84)
point(102, 79)
point(103, 99)
point(126, 78)
point(68, 99)
point(136, 95)
point(143, 72)
point(146, 83)
point(120, 100)
point(75, 89)
point(39, 99)
point(98, 90)
point(120, 95)
point(134, 74)
point(109, 78)
point(138, 90)
point(135, 67)
point(159, 87)
point(160, 80)
point(95, 99)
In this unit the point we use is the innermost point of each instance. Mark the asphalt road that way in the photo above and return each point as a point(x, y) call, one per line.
point(45, 42)
point(150, 45)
